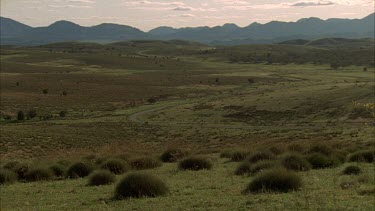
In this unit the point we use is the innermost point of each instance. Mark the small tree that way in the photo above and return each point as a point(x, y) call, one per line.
point(20, 116)
point(365, 69)
point(45, 91)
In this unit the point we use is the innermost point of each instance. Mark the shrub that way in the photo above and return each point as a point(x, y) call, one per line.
point(31, 114)
point(11, 165)
point(101, 177)
point(243, 169)
point(362, 156)
point(7, 177)
point(138, 185)
point(275, 180)
point(172, 155)
point(116, 166)
point(319, 161)
point(20, 116)
point(349, 170)
point(79, 169)
point(195, 164)
point(226, 154)
point(238, 156)
point(295, 162)
point(261, 166)
point(38, 174)
point(57, 170)
point(21, 170)
point(258, 156)
point(321, 148)
point(145, 163)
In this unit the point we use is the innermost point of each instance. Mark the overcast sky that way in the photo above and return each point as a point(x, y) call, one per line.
point(148, 14)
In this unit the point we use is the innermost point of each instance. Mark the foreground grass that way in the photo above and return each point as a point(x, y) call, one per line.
point(216, 189)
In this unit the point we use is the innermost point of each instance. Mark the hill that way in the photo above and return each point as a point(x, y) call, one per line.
point(15, 33)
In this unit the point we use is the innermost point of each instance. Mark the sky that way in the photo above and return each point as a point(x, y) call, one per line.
point(148, 14)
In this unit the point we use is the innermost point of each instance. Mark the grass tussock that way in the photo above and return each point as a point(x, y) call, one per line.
point(262, 155)
point(80, 169)
point(261, 166)
point(243, 169)
point(352, 170)
point(275, 180)
point(173, 155)
point(295, 162)
point(38, 174)
point(195, 164)
point(116, 166)
point(7, 177)
point(362, 156)
point(58, 170)
point(145, 163)
point(239, 155)
point(320, 161)
point(101, 177)
point(137, 185)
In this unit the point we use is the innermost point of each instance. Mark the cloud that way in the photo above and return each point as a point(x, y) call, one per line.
point(183, 9)
point(82, 1)
point(312, 4)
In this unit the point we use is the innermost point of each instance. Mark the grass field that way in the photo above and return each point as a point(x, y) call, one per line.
point(138, 100)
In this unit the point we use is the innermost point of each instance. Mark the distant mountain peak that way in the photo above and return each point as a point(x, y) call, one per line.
point(64, 23)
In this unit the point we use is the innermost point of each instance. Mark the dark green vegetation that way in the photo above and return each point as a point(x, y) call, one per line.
point(101, 177)
point(7, 176)
point(195, 164)
point(80, 169)
point(275, 180)
point(138, 185)
point(351, 170)
point(116, 166)
point(132, 101)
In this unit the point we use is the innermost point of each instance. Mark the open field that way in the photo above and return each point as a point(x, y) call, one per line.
point(140, 99)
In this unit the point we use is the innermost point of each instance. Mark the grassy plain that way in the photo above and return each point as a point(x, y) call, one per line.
point(136, 99)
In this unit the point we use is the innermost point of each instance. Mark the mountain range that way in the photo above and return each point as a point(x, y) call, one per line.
point(16, 33)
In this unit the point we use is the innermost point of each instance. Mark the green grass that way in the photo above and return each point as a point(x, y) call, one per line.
point(217, 189)
point(204, 105)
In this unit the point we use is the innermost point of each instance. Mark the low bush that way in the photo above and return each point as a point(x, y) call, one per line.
point(79, 169)
point(7, 176)
point(57, 170)
point(295, 147)
point(38, 174)
point(261, 166)
point(350, 170)
point(263, 155)
point(226, 154)
point(277, 150)
point(320, 161)
point(275, 180)
point(172, 155)
point(101, 177)
point(10, 165)
point(237, 156)
point(21, 170)
point(295, 162)
point(243, 169)
point(145, 163)
point(362, 156)
point(321, 148)
point(116, 166)
point(195, 164)
point(138, 185)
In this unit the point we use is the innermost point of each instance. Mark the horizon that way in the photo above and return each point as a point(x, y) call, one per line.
point(100, 23)
point(149, 14)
